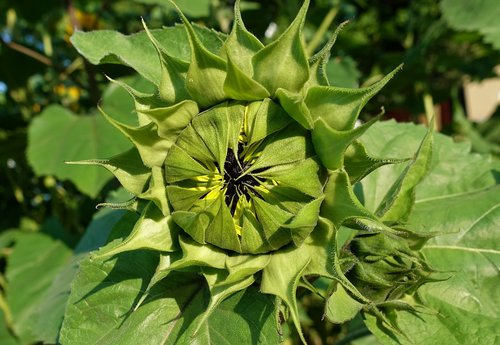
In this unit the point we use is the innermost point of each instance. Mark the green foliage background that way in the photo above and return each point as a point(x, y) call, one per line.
point(48, 115)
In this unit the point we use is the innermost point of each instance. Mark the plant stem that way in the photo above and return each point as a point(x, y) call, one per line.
point(429, 110)
point(29, 52)
point(318, 36)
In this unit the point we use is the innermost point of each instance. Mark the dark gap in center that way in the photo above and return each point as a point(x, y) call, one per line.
point(234, 187)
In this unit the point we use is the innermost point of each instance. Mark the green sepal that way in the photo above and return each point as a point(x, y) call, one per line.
point(197, 254)
point(358, 163)
point(207, 71)
point(317, 63)
point(340, 107)
point(273, 218)
point(239, 275)
point(153, 231)
point(340, 307)
point(341, 205)
point(283, 63)
point(221, 230)
point(185, 168)
point(142, 101)
point(219, 293)
point(292, 176)
point(172, 120)
point(183, 197)
point(294, 105)
point(253, 238)
point(281, 279)
point(331, 144)
point(153, 150)
point(304, 221)
point(398, 202)
point(240, 86)
point(172, 87)
point(264, 119)
point(287, 146)
point(214, 132)
point(156, 191)
point(193, 223)
point(127, 168)
point(241, 45)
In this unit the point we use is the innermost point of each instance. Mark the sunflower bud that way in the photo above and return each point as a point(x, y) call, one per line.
point(245, 158)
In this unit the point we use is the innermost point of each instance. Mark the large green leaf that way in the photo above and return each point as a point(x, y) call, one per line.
point(49, 313)
point(481, 15)
point(57, 135)
point(35, 260)
point(137, 51)
point(101, 308)
point(459, 201)
point(453, 169)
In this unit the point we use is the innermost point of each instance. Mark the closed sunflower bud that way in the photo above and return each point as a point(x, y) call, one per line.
point(243, 167)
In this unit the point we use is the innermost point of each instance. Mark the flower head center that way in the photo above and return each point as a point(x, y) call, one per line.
point(236, 182)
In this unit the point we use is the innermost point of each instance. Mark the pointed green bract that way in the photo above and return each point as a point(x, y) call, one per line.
point(283, 63)
point(358, 163)
point(331, 144)
point(318, 61)
point(126, 169)
point(397, 204)
point(153, 231)
point(340, 107)
point(153, 150)
point(206, 73)
point(170, 121)
point(173, 74)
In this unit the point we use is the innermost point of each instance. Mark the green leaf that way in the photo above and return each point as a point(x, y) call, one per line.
point(35, 261)
point(341, 205)
point(54, 300)
point(343, 72)
point(480, 15)
point(453, 169)
point(57, 135)
point(283, 63)
point(105, 294)
point(295, 107)
point(136, 50)
point(240, 86)
point(341, 307)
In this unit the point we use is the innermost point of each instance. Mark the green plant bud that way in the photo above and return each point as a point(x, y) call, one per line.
point(246, 158)
point(386, 268)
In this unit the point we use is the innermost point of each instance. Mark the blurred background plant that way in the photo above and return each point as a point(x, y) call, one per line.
point(49, 94)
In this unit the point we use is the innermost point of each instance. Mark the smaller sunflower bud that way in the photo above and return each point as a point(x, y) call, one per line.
point(386, 268)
